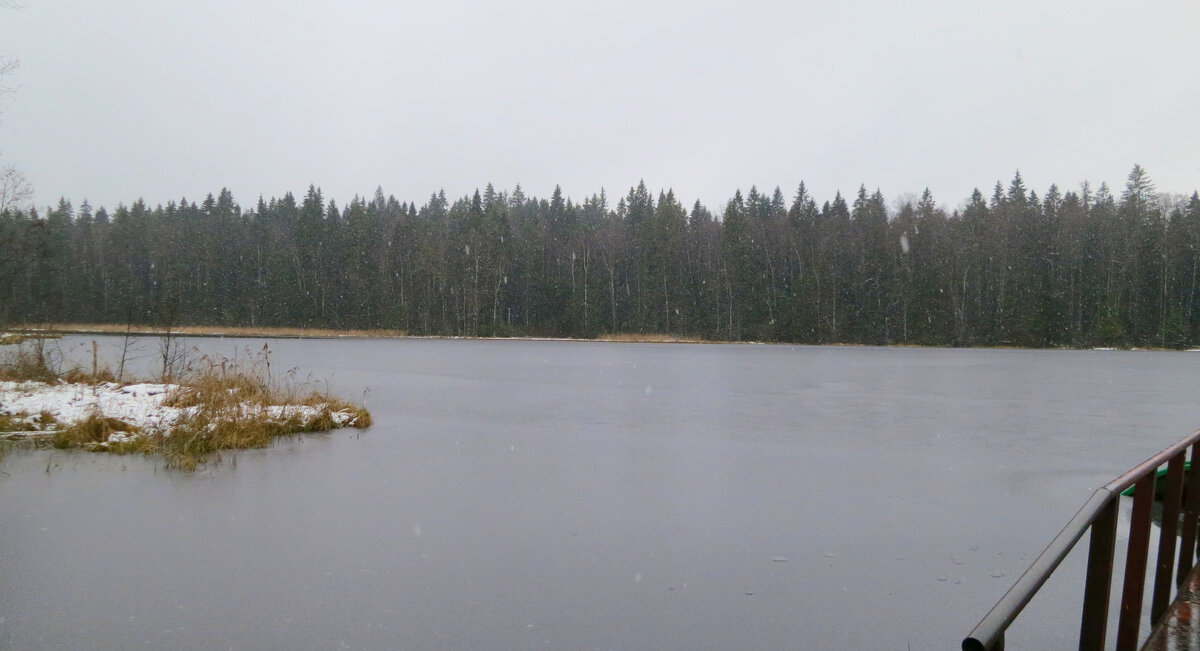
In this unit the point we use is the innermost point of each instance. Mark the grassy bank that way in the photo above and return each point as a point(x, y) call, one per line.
point(211, 405)
point(15, 334)
point(650, 338)
point(197, 331)
point(19, 332)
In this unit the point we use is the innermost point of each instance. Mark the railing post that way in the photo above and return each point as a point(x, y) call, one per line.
point(1191, 504)
point(1101, 552)
point(1135, 564)
point(1166, 538)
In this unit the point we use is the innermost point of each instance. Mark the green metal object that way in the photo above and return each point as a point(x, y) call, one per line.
point(1161, 474)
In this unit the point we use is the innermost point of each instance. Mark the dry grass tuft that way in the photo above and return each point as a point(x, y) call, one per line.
point(80, 376)
point(46, 420)
point(92, 430)
point(192, 441)
point(16, 423)
point(21, 423)
point(224, 387)
point(11, 338)
point(27, 365)
point(652, 337)
point(362, 417)
point(237, 403)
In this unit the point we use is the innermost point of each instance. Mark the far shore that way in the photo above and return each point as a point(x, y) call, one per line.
point(255, 332)
point(252, 332)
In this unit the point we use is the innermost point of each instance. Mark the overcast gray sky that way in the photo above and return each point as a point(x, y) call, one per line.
point(120, 100)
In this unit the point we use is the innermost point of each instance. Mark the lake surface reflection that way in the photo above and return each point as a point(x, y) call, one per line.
point(522, 494)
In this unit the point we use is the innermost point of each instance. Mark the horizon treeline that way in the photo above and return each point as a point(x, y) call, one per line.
point(1076, 268)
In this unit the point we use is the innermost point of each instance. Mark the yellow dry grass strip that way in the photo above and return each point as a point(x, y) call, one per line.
point(320, 333)
point(652, 337)
point(208, 331)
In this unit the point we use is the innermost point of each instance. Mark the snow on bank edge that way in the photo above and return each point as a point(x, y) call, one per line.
point(140, 405)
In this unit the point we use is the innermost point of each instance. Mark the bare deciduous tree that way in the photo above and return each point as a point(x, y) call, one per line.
point(15, 189)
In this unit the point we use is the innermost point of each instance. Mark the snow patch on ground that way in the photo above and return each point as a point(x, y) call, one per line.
point(307, 413)
point(140, 405)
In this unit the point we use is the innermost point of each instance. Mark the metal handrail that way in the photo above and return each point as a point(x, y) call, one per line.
point(1099, 514)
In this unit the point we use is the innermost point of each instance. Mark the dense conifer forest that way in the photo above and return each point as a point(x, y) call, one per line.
point(1078, 268)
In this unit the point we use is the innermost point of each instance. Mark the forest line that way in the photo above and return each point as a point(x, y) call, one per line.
point(1077, 268)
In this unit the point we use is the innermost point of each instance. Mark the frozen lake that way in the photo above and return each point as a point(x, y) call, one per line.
point(527, 494)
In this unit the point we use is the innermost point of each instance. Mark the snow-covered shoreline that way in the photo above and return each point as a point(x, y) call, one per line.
point(139, 405)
